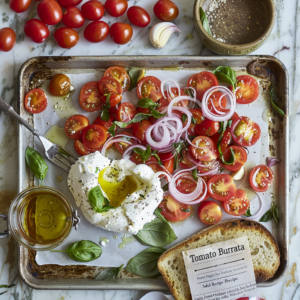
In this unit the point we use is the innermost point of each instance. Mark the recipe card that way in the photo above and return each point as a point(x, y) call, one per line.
point(220, 271)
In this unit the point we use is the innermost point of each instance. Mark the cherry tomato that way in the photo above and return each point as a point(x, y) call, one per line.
point(166, 10)
point(96, 32)
point(106, 124)
point(66, 37)
point(116, 8)
point(240, 158)
point(36, 30)
point(49, 12)
point(114, 100)
point(73, 17)
point(247, 89)
point(59, 85)
point(121, 33)
point(201, 82)
point(66, 3)
point(173, 210)
point(238, 204)
point(19, 6)
point(90, 97)
point(109, 85)
point(149, 87)
point(139, 130)
point(217, 101)
point(207, 127)
point(93, 10)
point(83, 150)
point(134, 157)
point(36, 101)
point(261, 178)
point(209, 213)
point(209, 151)
point(226, 139)
point(245, 132)
point(75, 125)
point(94, 136)
point(119, 74)
point(234, 117)
point(221, 187)
point(126, 112)
point(168, 161)
point(184, 162)
point(7, 39)
point(196, 120)
point(138, 16)
point(185, 185)
point(113, 111)
point(120, 146)
point(168, 97)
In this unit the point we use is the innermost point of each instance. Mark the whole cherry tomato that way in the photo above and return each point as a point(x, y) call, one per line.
point(138, 16)
point(116, 8)
point(96, 32)
point(59, 85)
point(121, 33)
point(7, 39)
point(36, 30)
point(66, 37)
point(19, 6)
point(66, 3)
point(93, 10)
point(49, 12)
point(73, 17)
point(166, 10)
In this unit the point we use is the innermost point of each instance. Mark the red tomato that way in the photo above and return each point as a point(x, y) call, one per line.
point(168, 161)
point(209, 213)
point(75, 125)
point(73, 17)
point(245, 132)
point(119, 74)
point(66, 37)
point(96, 32)
point(7, 39)
point(149, 87)
point(207, 127)
point(240, 158)
point(49, 12)
point(120, 146)
point(137, 159)
point(234, 118)
point(138, 16)
point(106, 124)
point(261, 178)
point(184, 162)
point(238, 204)
point(121, 33)
point(201, 82)
point(185, 185)
point(221, 187)
point(166, 10)
point(93, 10)
point(81, 149)
point(173, 210)
point(19, 6)
point(114, 100)
point(89, 97)
point(116, 8)
point(217, 102)
point(36, 30)
point(126, 112)
point(113, 111)
point(94, 136)
point(139, 130)
point(109, 85)
point(59, 85)
point(36, 101)
point(66, 3)
point(226, 139)
point(247, 89)
point(209, 151)
point(198, 118)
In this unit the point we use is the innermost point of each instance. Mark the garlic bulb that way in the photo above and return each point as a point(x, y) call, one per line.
point(161, 32)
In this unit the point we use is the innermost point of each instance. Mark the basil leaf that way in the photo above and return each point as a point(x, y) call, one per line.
point(135, 75)
point(6, 286)
point(144, 264)
point(140, 117)
point(165, 187)
point(144, 155)
point(36, 163)
point(184, 118)
point(121, 124)
point(97, 200)
point(105, 115)
point(107, 102)
point(248, 214)
point(268, 216)
point(274, 100)
point(112, 129)
point(195, 174)
point(146, 103)
point(159, 215)
point(231, 158)
point(225, 74)
point(189, 92)
point(178, 148)
point(204, 21)
point(109, 274)
point(158, 159)
point(275, 212)
point(193, 120)
point(157, 115)
point(83, 251)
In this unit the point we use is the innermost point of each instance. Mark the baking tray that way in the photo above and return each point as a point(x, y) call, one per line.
point(82, 277)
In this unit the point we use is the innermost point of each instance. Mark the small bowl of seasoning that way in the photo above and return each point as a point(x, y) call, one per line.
point(234, 27)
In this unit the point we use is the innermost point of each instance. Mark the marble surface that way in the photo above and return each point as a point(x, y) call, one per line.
point(283, 43)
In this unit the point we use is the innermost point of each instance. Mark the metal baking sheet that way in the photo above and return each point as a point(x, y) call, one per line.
point(274, 128)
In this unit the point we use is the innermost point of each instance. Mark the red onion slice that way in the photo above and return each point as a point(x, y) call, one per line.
point(272, 161)
point(179, 98)
point(162, 87)
point(164, 142)
point(129, 149)
point(260, 209)
point(110, 142)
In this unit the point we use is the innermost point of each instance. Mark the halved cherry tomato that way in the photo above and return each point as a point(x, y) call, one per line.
point(36, 101)
point(173, 210)
point(83, 150)
point(221, 187)
point(113, 112)
point(217, 102)
point(36, 30)
point(238, 204)
point(94, 136)
point(247, 89)
point(121, 33)
point(66, 37)
point(109, 85)
point(226, 139)
point(7, 39)
point(119, 74)
point(201, 82)
point(234, 117)
point(184, 162)
point(245, 132)
point(137, 159)
point(261, 178)
point(126, 112)
point(139, 130)
point(138, 16)
point(168, 161)
point(89, 97)
point(166, 10)
point(116, 8)
point(209, 213)
point(120, 146)
point(168, 97)
point(149, 87)
point(49, 12)
point(240, 158)
point(114, 100)
point(207, 127)
point(96, 31)
point(197, 119)
point(209, 151)
point(210, 165)
point(66, 3)
point(59, 85)
point(93, 10)
point(73, 17)
point(106, 124)
point(75, 125)
point(19, 6)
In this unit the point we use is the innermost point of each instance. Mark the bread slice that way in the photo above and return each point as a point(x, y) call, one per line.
point(264, 251)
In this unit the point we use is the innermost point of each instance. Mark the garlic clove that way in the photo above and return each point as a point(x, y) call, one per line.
point(238, 175)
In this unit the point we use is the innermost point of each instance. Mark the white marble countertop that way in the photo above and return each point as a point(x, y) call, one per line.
point(283, 43)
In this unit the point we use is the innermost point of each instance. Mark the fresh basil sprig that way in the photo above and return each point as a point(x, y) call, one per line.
point(36, 163)
point(248, 213)
point(135, 75)
point(83, 251)
point(144, 264)
point(147, 103)
point(226, 74)
point(98, 202)
point(204, 21)
point(144, 154)
point(274, 100)
point(137, 118)
point(109, 274)
point(272, 213)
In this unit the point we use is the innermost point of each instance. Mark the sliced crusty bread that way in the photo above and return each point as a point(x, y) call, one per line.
point(264, 251)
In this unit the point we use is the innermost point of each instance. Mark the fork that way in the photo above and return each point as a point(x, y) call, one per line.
point(53, 152)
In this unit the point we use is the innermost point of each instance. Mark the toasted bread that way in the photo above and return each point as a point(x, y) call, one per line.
point(264, 251)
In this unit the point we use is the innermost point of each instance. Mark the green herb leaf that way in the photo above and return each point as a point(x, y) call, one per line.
point(158, 159)
point(165, 187)
point(231, 158)
point(268, 216)
point(105, 115)
point(225, 74)
point(189, 92)
point(135, 75)
point(144, 154)
point(140, 117)
point(159, 215)
point(142, 196)
point(184, 118)
point(195, 174)
point(109, 274)
point(121, 124)
point(97, 169)
point(157, 115)
point(112, 129)
point(107, 102)
point(98, 202)
point(6, 286)
point(248, 214)
point(274, 100)
point(178, 148)
point(36, 163)
point(193, 120)
point(204, 21)
point(146, 103)
point(275, 213)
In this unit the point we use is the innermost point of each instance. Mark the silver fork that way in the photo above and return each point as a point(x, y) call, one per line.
point(53, 152)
